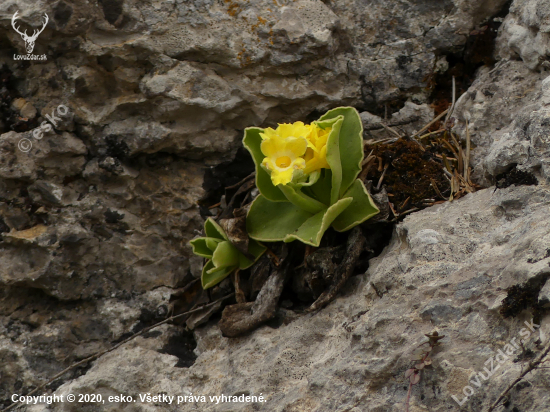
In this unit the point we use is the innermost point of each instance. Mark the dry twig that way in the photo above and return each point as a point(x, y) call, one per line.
point(532, 365)
point(382, 177)
point(432, 122)
point(355, 244)
point(453, 103)
point(118, 345)
point(391, 130)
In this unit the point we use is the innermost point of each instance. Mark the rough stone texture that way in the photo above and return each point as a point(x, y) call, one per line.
point(507, 109)
point(183, 79)
point(508, 105)
point(446, 269)
point(407, 121)
point(544, 296)
point(526, 33)
point(95, 218)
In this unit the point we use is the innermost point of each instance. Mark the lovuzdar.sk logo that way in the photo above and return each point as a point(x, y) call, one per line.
point(29, 40)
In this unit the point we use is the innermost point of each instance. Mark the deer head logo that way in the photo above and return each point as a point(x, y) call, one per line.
point(29, 40)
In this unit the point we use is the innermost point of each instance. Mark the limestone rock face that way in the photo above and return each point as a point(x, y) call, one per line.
point(446, 269)
point(183, 79)
point(507, 106)
point(107, 147)
point(526, 33)
point(507, 110)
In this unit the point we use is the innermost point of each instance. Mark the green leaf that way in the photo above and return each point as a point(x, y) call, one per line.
point(299, 199)
point(270, 221)
point(212, 229)
point(244, 262)
point(313, 229)
point(252, 141)
point(350, 145)
point(321, 189)
point(333, 158)
point(214, 277)
point(225, 255)
point(212, 243)
point(256, 249)
point(306, 180)
point(200, 247)
point(323, 124)
point(361, 209)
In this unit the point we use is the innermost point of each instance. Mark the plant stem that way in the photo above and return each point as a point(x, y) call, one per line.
point(533, 365)
point(408, 396)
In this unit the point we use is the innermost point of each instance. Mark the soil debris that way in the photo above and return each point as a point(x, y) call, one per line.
point(525, 296)
point(410, 175)
point(517, 177)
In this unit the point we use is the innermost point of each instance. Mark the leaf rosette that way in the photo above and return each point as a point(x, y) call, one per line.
point(307, 178)
point(223, 257)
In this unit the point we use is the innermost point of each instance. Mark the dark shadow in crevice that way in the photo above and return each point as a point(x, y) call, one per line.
point(181, 345)
point(464, 63)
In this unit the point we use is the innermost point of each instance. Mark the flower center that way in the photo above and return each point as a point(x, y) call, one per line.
point(283, 161)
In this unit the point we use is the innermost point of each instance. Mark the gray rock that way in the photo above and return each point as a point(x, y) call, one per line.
point(25, 108)
point(411, 118)
point(544, 296)
point(96, 216)
point(525, 33)
point(367, 339)
point(506, 110)
point(47, 193)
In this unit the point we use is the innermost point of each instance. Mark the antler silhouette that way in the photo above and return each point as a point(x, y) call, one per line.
point(37, 32)
point(15, 17)
point(29, 40)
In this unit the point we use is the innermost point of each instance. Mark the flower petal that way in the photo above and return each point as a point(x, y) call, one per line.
point(282, 177)
point(270, 147)
point(268, 133)
point(316, 156)
point(296, 145)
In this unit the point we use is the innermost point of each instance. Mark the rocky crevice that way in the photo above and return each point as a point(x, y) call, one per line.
point(96, 217)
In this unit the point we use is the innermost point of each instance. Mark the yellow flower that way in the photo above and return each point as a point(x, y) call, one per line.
point(284, 149)
point(316, 153)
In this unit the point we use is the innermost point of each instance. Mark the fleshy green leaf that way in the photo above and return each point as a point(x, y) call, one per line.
point(306, 180)
point(333, 154)
point(252, 141)
point(333, 159)
point(350, 145)
point(299, 199)
point(255, 249)
point(361, 209)
point(212, 229)
point(214, 277)
point(212, 243)
point(225, 255)
point(313, 229)
point(321, 189)
point(200, 247)
point(244, 262)
point(272, 221)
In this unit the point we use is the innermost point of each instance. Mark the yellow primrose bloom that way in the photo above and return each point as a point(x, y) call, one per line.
point(316, 153)
point(284, 149)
